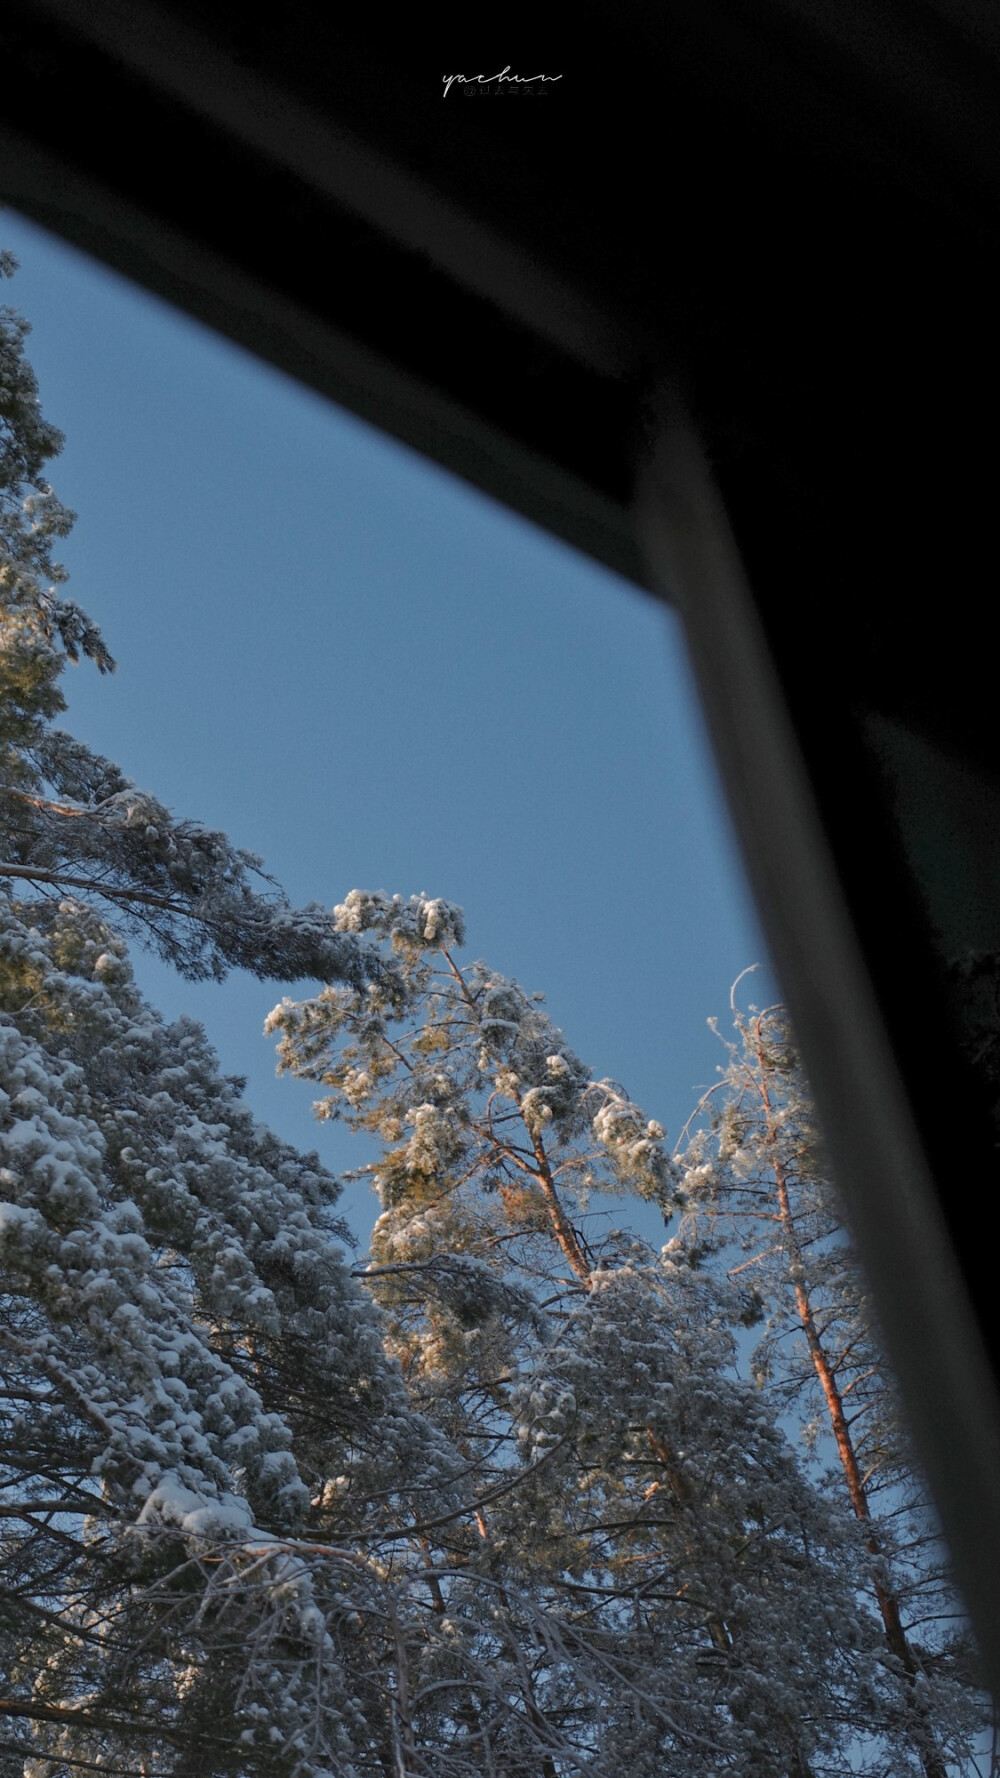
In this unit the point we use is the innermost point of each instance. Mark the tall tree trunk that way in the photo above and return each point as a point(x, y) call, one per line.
point(886, 1598)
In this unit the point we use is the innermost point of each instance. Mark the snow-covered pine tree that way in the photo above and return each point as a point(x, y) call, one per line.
point(215, 1495)
point(164, 1261)
point(640, 1497)
point(759, 1193)
point(233, 1537)
point(187, 1367)
point(72, 823)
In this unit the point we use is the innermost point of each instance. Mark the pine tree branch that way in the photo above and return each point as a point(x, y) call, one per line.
point(26, 1751)
point(60, 880)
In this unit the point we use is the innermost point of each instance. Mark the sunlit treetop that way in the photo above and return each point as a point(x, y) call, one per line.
point(490, 1125)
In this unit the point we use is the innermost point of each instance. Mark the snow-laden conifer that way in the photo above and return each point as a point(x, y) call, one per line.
point(71, 822)
point(195, 1391)
point(206, 1454)
point(510, 1513)
point(685, 1599)
point(233, 1538)
point(758, 1191)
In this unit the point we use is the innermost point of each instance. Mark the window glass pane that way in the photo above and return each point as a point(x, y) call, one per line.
point(618, 1472)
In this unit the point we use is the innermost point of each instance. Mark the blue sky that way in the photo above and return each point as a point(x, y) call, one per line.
point(377, 678)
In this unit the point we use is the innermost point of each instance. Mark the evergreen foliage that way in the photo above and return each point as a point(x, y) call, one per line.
point(193, 1386)
point(666, 1513)
point(72, 823)
point(760, 1198)
point(496, 1503)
